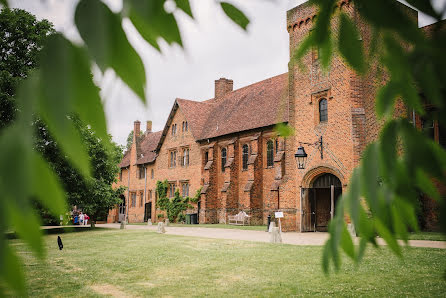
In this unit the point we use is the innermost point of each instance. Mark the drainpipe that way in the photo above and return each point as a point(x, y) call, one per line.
point(128, 199)
point(145, 189)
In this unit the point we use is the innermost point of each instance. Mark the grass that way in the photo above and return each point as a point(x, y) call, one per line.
point(144, 263)
point(213, 226)
point(435, 236)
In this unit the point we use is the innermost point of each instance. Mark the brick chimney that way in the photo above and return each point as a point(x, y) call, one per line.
point(222, 87)
point(148, 126)
point(136, 130)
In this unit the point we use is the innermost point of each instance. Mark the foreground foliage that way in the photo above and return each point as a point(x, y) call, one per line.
point(63, 86)
point(148, 264)
point(384, 190)
point(95, 195)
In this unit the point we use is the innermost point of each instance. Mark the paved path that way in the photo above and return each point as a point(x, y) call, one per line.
point(260, 236)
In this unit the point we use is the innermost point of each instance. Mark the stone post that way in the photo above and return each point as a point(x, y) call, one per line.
point(161, 228)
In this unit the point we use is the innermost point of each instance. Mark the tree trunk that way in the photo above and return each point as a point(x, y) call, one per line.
point(93, 224)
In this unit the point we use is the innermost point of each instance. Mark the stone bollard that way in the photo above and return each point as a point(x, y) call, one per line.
point(167, 222)
point(271, 226)
point(122, 227)
point(161, 228)
point(149, 222)
point(275, 236)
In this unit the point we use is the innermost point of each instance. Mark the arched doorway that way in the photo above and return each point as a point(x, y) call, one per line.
point(319, 201)
point(122, 206)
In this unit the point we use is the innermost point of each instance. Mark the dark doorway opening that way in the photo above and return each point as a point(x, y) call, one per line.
point(148, 211)
point(318, 203)
point(198, 212)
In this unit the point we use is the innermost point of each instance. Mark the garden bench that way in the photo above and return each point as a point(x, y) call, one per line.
point(239, 219)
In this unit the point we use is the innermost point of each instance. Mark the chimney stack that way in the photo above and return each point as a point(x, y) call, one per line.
point(222, 87)
point(136, 130)
point(148, 126)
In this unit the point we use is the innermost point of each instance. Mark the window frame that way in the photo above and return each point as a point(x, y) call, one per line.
point(185, 189)
point(224, 158)
point(269, 153)
point(323, 110)
point(245, 156)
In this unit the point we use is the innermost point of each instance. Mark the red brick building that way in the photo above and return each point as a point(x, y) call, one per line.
point(227, 145)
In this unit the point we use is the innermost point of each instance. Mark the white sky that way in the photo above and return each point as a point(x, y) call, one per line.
point(213, 47)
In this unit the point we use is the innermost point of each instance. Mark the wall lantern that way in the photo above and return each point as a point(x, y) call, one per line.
point(301, 155)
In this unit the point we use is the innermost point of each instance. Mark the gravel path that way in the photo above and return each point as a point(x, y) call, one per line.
point(260, 236)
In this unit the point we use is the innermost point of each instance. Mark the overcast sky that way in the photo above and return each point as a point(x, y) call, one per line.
point(213, 47)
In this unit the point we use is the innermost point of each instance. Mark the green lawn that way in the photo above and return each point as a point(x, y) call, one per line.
point(427, 236)
point(214, 226)
point(144, 263)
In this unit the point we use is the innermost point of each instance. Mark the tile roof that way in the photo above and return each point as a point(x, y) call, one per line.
point(258, 105)
point(261, 104)
point(125, 162)
point(145, 150)
point(148, 147)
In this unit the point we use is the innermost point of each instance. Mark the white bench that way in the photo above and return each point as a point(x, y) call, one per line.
point(239, 219)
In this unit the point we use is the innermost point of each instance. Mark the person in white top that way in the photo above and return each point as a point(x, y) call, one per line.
point(81, 219)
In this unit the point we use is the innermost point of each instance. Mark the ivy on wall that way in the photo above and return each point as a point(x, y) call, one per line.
point(175, 206)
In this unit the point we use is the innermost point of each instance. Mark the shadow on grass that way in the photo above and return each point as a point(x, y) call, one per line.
point(62, 230)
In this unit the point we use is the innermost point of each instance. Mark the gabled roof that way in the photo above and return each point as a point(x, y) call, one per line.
point(195, 112)
point(125, 162)
point(145, 149)
point(262, 104)
point(148, 147)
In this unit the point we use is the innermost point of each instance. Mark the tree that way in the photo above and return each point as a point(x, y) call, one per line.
point(21, 38)
point(130, 139)
point(95, 195)
point(63, 86)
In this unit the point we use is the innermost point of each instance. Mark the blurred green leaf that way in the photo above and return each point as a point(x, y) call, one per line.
point(387, 149)
point(398, 224)
point(389, 15)
point(424, 6)
point(407, 212)
point(69, 66)
point(26, 224)
point(350, 44)
point(153, 22)
point(385, 99)
point(369, 175)
point(107, 43)
point(326, 254)
point(12, 271)
point(284, 130)
point(46, 186)
point(347, 243)
point(385, 233)
point(4, 3)
point(424, 182)
point(236, 15)
point(184, 5)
